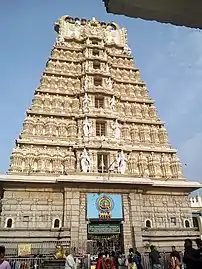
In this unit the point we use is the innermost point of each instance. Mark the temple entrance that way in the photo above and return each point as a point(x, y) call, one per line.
point(105, 236)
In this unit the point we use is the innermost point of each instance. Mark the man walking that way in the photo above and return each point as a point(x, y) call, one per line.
point(155, 258)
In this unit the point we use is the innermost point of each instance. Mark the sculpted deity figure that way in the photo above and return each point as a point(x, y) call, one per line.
point(137, 110)
point(86, 102)
point(86, 82)
point(107, 68)
point(75, 105)
point(145, 92)
point(152, 111)
point(165, 165)
point(138, 92)
point(85, 161)
point(120, 108)
point(28, 125)
point(143, 165)
point(39, 127)
point(176, 167)
point(127, 109)
point(47, 102)
point(86, 127)
point(117, 129)
point(154, 134)
point(121, 161)
point(125, 132)
point(109, 84)
point(154, 165)
point(72, 128)
point(67, 104)
point(163, 135)
point(134, 132)
point(147, 133)
point(112, 103)
point(62, 129)
point(142, 133)
point(145, 110)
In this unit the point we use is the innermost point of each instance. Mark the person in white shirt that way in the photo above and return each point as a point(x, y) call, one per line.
point(70, 263)
point(3, 264)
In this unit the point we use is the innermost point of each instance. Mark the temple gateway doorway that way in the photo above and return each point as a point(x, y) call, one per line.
point(106, 236)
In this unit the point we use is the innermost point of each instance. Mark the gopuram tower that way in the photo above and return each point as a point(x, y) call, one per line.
point(93, 165)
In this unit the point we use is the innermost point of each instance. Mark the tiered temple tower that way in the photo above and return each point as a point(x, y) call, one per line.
point(92, 129)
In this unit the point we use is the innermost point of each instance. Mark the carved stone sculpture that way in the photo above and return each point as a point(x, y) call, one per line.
point(86, 127)
point(86, 83)
point(134, 132)
point(143, 165)
point(176, 167)
point(165, 165)
point(127, 109)
point(154, 165)
point(121, 161)
point(117, 129)
point(137, 110)
point(86, 102)
point(109, 84)
point(163, 135)
point(125, 132)
point(154, 134)
point(152, 111)
point(112, 103)
point(145, 110)
point(85, 161)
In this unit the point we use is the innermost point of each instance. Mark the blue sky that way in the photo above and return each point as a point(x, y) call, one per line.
point(169, 58)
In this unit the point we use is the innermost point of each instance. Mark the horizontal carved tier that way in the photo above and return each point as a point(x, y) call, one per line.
point(61, 160)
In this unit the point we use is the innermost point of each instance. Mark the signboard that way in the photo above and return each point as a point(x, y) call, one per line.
point(24, 250)
point(104, 206)
point(104, 228)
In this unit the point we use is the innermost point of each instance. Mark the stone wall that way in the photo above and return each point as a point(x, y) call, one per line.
point(33, 212)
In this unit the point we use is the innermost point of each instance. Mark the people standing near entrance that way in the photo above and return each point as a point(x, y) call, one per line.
point(155, 258)
point(199, 252)
point(107, 262)
point(174, 260)
point(70, 263)
point(121, 261)
point(134, 259)
point(99, 261)
point(190, 255)
point(3, 264)
point(114, 259)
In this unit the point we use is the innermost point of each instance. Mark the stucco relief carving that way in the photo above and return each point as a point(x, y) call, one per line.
point(42, 160)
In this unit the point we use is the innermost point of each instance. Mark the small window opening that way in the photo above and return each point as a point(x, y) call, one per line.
point(195, 222)
point(96, 65)
point(100, 128)
point(148, 224)
point(187, 224)
point(56, 223)
point(98, 81)
point(99, 102)
point(9, 223)
point(96, 53)
point(102, 162)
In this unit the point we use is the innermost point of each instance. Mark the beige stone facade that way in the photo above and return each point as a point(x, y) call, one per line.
point(92, 128)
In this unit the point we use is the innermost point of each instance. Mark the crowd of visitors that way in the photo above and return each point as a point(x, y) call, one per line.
point(191, 259)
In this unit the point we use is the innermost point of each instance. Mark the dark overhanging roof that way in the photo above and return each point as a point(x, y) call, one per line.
point(177, 12)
